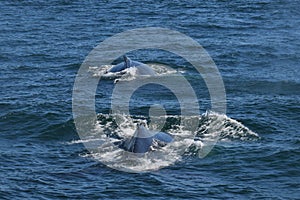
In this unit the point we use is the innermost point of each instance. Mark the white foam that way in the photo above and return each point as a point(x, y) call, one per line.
point(212, 126)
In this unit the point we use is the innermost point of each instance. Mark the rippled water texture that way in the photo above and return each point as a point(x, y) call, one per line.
point(255, 45)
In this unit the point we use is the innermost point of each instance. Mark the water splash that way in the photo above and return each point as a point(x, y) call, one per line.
point(129, 73)
point(212, 125)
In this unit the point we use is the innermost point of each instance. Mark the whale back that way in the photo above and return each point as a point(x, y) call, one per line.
point(143, 139)
point(142, 69)
point(140, 142)
point(121, 66)
point(163, 137)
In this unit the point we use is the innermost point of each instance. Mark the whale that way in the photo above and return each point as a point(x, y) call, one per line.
point(144, 140)
point(142, 69)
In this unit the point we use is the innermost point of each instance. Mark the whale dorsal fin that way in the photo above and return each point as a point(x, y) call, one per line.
point(142, 140)
point(126, 61)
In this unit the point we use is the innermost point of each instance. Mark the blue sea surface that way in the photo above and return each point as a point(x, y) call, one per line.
point(255, 45)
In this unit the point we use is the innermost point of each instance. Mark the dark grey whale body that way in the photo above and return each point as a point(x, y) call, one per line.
point(142, 69)
point(143, 139)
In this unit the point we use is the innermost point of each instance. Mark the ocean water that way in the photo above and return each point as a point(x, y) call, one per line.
point(255, 45)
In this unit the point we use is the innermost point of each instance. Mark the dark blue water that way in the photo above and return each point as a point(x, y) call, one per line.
point(255, 45)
